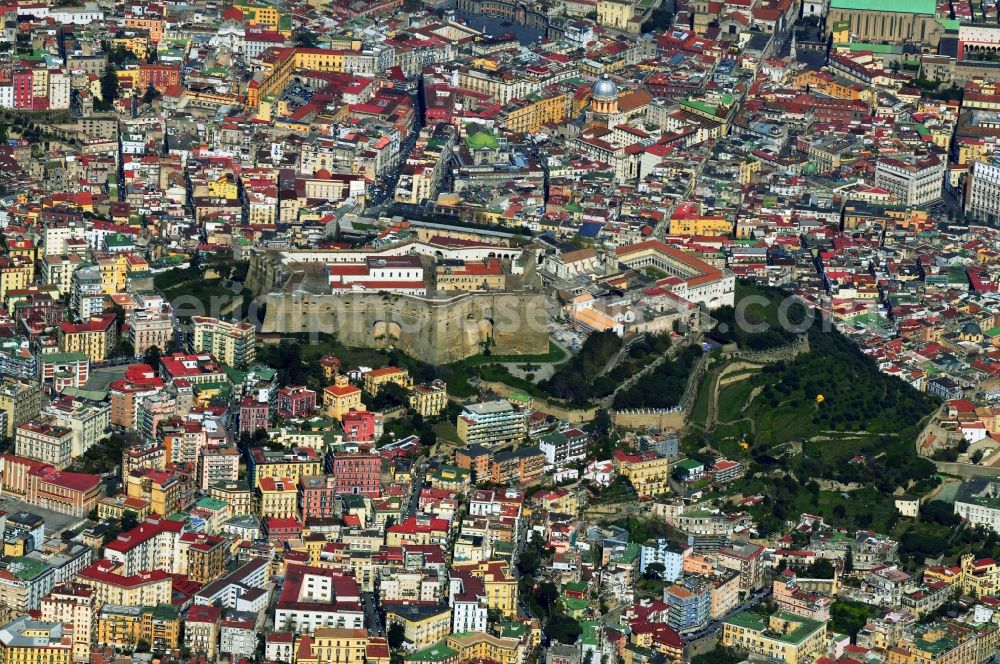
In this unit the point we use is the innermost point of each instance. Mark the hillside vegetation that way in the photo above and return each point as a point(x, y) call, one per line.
point(828, 413)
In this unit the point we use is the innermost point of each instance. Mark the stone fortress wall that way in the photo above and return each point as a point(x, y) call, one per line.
point(435, 329)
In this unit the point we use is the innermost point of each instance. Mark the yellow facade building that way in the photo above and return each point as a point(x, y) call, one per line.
point(429, 400)
point(161, 489)
point(115, 270)
point(479, 646)
point(375, 379)
point(277, 498)
point(618, 15)
point(282, 465)
point(113, 508)
point(94, 338)
point(124, 626)
point(827, 84)
point(16, 273)
point(783, 636)
point(333, 645)
point(234, 344)
point(698, 225)
point(278, 65)
point(150, 588)
point(947, 643)
point(422, 624)
point(263, 16)
point(648, 473)
point(500, 585)
point(35, 642)
point(340, 398)
point(530, 114)
point(72, 604)
point(19, 401)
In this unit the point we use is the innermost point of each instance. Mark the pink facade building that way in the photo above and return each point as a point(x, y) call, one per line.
point(357, 474)
point(296, 401)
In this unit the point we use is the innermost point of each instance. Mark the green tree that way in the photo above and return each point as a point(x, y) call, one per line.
point(306, 39)
point(150, 94)
point(390, 396)
point(849, 617)
point(129, 520)
point(547, 594)
point(654, 571)
point(152, 357)
point(659, 20)
point(119, 312)
point(563, 629)
point(939, 512)
point(124, 348)
point(720, 655)
point(109, 86)
point(396, 635)
point(821, 569)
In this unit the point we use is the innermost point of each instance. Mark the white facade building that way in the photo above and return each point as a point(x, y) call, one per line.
point(666, 553)
point(983, 200)
point(915, 181)
point(978, 502)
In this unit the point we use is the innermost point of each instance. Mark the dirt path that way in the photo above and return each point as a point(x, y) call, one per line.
point(544, 370)
point(713, 399)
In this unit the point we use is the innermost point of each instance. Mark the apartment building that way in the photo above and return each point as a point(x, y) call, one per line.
point(523, 465)
point(150, 327)
point(491, 424)
point(234, 344)
point(201, 630)
point(429, 400)
point(202, 557)
point(44, 439)
point(689, 604)
point(782, 636)
point(296, 401)
point(983, 199)
point(161, 488)
point(564, 447)
point(109, 586)
point(277, 498)
point(648, 472)
point(282, 464)
point(121, 627)
point(914, 181)
point(357, 474)
point(94, 338)
point(338, 645)
point(27, 641)
point(218, 463)
point(746, 560)
point(340, 398)
point(87, 421)
point(73, 604)
point(423, 624)
point(19, 402)
point(377, 378)
point(152, 545)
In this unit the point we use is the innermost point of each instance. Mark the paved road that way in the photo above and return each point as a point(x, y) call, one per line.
point(419, 476)
point(372, 617)
point(714, 626)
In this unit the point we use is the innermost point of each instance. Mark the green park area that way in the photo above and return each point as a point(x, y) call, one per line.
point(824, 432)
